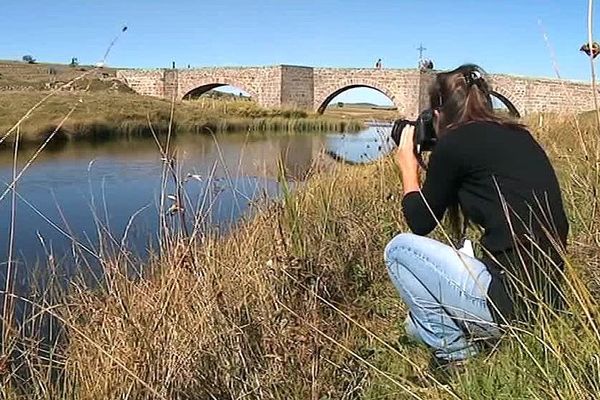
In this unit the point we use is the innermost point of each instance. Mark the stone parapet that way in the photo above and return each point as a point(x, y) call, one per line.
point(313, 88)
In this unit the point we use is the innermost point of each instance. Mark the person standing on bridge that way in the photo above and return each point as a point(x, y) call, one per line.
point(490, 171)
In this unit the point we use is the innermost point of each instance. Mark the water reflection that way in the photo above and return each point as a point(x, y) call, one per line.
point(78, 192)
point(360, 148)
point(297, 156)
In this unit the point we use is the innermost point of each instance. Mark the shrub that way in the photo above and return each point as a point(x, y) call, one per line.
point(29, 59)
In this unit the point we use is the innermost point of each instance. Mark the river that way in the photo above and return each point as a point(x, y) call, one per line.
point(75, 193)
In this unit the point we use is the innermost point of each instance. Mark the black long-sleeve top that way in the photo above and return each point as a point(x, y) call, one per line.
point(504, 182)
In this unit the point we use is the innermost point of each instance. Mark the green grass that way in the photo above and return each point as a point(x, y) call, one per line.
point(104, 114)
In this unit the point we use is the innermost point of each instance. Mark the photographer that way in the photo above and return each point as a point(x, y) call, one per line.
point(492, 172)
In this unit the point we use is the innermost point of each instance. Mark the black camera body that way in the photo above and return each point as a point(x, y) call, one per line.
point(425, 136)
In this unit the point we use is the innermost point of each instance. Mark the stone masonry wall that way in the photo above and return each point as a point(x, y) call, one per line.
point(261, 83)
point(313, 88)
point(544, 95)
point(400, 85)
point(147, 82)
point(297, 87)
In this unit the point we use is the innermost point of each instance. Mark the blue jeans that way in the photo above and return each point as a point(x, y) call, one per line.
point(446, 294)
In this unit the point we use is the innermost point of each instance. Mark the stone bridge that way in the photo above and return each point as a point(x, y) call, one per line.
point(313, 88)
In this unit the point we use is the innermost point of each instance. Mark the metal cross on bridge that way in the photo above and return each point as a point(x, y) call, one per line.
point(421, 49)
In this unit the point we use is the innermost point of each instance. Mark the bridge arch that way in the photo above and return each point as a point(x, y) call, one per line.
point(197, 89)
point(512, 109)
point(513, 103)
point(326, 98)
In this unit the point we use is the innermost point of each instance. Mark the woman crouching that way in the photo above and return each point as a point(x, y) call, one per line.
point(491, 171)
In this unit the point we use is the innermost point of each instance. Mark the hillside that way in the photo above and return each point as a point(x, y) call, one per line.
point(20, 76)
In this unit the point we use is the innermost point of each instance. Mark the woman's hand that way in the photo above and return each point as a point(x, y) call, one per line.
point(407, 161)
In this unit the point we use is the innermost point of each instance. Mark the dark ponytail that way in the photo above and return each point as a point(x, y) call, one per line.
point(462, 96)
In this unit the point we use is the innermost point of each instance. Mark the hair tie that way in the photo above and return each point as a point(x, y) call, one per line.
point(473, 77)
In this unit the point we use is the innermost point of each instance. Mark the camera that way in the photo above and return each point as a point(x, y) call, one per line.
point(425, 136)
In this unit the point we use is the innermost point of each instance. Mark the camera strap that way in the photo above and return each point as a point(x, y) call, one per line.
point(420, 160)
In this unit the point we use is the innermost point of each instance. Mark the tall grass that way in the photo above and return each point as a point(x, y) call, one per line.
point(102, 115)
point(296, 303)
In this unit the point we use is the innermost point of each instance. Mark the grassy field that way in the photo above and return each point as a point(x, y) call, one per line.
point(101, 115)
point(297, 304)
point(362, 112)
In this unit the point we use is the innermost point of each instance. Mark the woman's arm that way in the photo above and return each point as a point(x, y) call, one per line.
point(423, 207)
point(407, 162)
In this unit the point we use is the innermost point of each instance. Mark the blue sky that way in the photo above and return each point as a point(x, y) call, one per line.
point(502, 36)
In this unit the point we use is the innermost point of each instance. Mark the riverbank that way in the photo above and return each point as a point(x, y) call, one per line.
point(297, 304)
point(363, 112)
point(106, 114)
